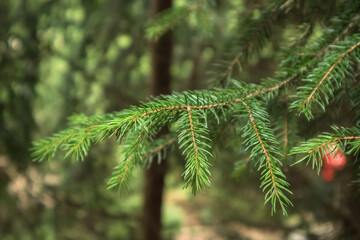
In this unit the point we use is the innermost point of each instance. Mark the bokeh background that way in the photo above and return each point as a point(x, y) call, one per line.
point(59, 57)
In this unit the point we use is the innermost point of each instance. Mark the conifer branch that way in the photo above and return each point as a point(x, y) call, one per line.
point(178, 108)
point(123, 171)
point(254, 33)
point(262, 146)
point(328, 62)
point(122, 174)
point(314, 149)
point(329, 71)
point(162, 146)
point(159, 110)
point(193, 138)
point(328, 76)
point(260, 138)
point(126, 169)
point(83, 129)
point(341, 35)
point(132, 154)
point(274, 88)
point(75, 140)
point(335, 139)
point(169, 18)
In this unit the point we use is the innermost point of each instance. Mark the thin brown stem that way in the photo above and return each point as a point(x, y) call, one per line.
point(126, 169)
point(162, 146)
point(237, 100)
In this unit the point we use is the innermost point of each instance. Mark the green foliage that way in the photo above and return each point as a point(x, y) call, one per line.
point(167, 19)
point(193, 139)
point(346, 140)
point(254, 32)
point(265, 152)
point(320, 67)
point(328, 76)
point(354, 98)
point(189, 112)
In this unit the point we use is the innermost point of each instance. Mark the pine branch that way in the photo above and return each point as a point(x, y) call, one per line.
point(84, 130)
point(299, 61)
point(160, 145)
point(122, 173)
point(132, 153)
point(188, 112)
point(325, 79)
point(231, 93)
point(121, 176)
point(138, 149)
point(354, 21)
point(203, 20)
point(193, 138)
point(139, 125)
point(329, 71)
point(263, 147)
point(315, 148)
point(169, 18)
point(253, 34)
point(339, 28)
point(274, 87)
point(261, 139)
point(75, 140)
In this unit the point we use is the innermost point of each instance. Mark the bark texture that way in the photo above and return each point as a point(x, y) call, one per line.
point(161, 54)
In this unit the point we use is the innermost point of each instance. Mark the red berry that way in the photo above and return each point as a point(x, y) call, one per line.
point(333, 160)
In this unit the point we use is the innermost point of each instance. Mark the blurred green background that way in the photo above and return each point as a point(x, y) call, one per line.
point(59, 57)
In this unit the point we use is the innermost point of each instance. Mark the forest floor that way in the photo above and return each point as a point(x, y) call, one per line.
point(195, 226)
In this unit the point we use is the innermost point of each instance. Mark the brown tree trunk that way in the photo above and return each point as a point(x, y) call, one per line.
point(161, 53)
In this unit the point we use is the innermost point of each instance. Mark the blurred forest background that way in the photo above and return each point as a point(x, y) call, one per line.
point(59, 57)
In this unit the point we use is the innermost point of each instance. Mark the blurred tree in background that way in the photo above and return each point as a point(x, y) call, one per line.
point(71, 56)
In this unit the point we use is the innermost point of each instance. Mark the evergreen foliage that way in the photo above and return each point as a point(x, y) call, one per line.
point(166, 20)
point(315, 148)
point(319, 67)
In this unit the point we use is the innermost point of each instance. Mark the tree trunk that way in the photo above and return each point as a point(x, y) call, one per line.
point(161, 53)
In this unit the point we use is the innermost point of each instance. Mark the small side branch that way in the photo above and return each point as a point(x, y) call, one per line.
point(126, 169)
point(274, 88)
point(342, 34)
point(162, 146)
point(158, 110)
point(329, 71)
point(262, 146)
point(333, 140)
